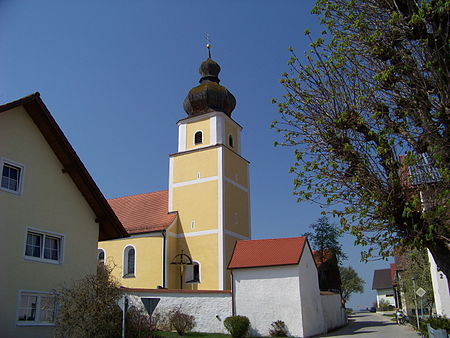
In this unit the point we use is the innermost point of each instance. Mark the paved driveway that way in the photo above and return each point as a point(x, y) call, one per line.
point(372, 325)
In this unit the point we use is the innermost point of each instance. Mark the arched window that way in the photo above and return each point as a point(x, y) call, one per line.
point(129, 261)
point(192, 273)
point(101, 256)
point(230, 141)
point(198, 137)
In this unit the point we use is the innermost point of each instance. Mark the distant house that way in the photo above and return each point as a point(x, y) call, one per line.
point(382, 283)
point(276, 279)
point(51, 216)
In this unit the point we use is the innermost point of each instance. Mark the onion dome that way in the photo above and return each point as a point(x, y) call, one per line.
point(209, 95)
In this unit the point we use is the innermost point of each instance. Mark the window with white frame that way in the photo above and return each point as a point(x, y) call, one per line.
point(129, 262)
point(101, 256)
point(192, 273)
point(12, 176)
point(36, 308)
point(43, 246)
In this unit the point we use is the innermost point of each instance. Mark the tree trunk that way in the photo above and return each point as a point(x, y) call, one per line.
point(441, 254)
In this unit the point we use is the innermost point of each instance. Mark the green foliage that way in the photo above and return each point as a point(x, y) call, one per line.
point(180, 321)
point(88, 308)
point(238, 326)
point(324, 238)
point(416, 266)
point(436, 323)
point(140, 324)
point(279, 329)
point(373, 88)
point(384, 305)
point(350, 282)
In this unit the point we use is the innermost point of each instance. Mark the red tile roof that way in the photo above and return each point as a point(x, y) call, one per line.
point(324, 257)
point(267, 252)
point(145, 212)
point(393, 268)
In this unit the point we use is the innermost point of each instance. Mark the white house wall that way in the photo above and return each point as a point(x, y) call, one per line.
point(440, 288)
point(209, 309)
point(268, 294)
point(311, 305)
point(386, 295)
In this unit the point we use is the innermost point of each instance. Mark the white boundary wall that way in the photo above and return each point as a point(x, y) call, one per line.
point(209, 308)
point(268, 294)
point(333, 313)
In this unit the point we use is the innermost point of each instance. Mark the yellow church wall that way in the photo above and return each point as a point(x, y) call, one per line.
point(199, 203)
point(203, 249)
point(50, 202)
point(232, 129)
point(229, 243)
point(235, 167)
point(186, 166)
point(236, 201)
point(149, 258)
point(172, 251)
point(192, 128)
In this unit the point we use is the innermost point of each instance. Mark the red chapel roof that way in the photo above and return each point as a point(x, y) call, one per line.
point(267, 252)
point(144, 212)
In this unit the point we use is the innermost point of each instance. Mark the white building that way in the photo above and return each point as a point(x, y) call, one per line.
point(440, 288)
point(382, 283)
point(276, 279)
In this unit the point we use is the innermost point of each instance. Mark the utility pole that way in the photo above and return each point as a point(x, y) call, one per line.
point(415, 301)
point(124, 313)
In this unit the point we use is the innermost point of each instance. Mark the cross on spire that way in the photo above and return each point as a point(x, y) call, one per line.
point(208, 44)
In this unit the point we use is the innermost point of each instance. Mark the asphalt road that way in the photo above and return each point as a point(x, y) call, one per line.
point(372, 325)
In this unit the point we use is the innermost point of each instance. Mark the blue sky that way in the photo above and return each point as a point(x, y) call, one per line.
point(114, 75)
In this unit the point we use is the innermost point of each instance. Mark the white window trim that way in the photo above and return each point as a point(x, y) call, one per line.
point(192, 272)
point(45, 232)
point(38, 308)
point(125, 262)
point(98, 254)
point(193, 138)
point(4, 161)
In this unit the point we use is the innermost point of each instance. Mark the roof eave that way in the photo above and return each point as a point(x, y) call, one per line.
point(109, 225)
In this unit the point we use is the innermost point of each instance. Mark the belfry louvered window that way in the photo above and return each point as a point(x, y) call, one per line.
point(198, 137)
point(230, 141)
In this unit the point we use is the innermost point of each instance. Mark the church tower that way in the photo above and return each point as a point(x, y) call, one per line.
point(208, 186)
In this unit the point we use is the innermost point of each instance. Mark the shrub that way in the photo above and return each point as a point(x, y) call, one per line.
point(88, 307)
point(279, 329)
point(180, 321)
point(237, 325)
point(140, 324)
point(438, 322)
point(384, 305)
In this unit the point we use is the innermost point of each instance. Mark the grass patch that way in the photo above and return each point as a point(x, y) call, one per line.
point(192, 334)
point(389, 314)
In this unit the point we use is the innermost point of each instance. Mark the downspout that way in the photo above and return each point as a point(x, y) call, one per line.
point(233, 305)
point(164, 258)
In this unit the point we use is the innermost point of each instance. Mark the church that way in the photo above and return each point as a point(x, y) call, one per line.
point(183, 237)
